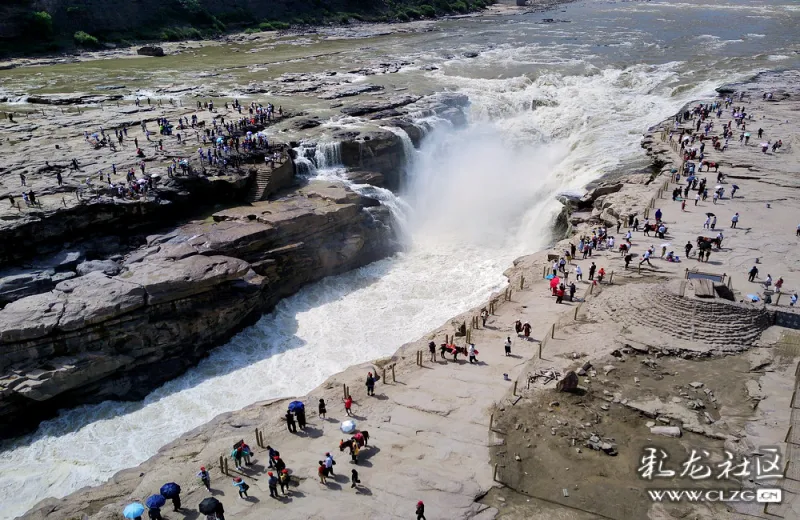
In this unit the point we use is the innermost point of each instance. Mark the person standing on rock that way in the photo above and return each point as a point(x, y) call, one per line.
point(272, 482)
point(329, 462)
point(301, 418)
point(290, 422)
point(508, 346)
point(484, 317)
point(59, 179)
point(354, 478)
point(280, 465)
point(242, 487)
point(348, 403)
point(592, 269)
point(688, 248)
point(22, 179)
point(420, 511)
point(734, 220)
point(713, 221)
point(283, 481)
point(578, 273)
point(370, 384)
point(432, 350)
point(323, 412)
point(471, 354)
point(205, 478)
point(321, 471)
point(526, 330)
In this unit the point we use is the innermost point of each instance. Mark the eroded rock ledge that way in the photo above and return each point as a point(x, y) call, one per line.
point(98, 337)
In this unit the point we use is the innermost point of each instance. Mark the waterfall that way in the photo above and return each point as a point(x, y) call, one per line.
point(328, 155)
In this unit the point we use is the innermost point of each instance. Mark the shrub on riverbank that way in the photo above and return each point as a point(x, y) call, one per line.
point(83, 39)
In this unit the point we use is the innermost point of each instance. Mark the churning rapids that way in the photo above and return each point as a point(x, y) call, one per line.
point(553, 106)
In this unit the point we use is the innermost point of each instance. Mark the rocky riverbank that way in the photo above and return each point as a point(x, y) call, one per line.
point(433, 428)
point(107, 297)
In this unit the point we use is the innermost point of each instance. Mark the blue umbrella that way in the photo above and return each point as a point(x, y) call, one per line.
point(170, 490)
point(296, 405)
point(134, 510)
point(156, 501)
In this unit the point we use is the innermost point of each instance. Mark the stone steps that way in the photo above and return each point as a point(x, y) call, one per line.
point(657, 307)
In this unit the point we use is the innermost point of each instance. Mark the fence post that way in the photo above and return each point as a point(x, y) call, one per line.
point(521, 282)
point(257, 442)
point(491, 420)
point(221, 464)
point(494, 474)
point(393, 378)
point(344, 390)
point(225, 461)
point(514, 393)
point(553, 331)
point(384, 371)
point(611, 278)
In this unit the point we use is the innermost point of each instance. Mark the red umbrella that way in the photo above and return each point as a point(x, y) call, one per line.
point(554, 282)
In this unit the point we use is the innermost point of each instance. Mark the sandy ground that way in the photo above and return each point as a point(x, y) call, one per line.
point(430, 435)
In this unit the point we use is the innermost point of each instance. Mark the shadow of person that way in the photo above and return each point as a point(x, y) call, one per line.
point(362, 490)
point(332, 485)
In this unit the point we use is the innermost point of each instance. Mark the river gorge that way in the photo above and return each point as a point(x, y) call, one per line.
point(489, 117)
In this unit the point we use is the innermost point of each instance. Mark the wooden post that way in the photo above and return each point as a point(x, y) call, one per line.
point(225, 461)
point(221, 464)
point(494, 474)
point(553, 331)
point(577, 308)
point(394, 380)
point(540, 349)
point(514, 393)
point(344, 390)
point(384, 372)
point(521, 282)
point(257, 442)
point(544, 272)
point(491, 420)
point(611, 278)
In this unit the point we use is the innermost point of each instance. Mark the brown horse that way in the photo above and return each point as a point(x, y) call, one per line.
point(347, 444)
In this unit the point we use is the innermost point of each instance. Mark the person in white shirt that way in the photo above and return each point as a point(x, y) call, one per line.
point(578, 273)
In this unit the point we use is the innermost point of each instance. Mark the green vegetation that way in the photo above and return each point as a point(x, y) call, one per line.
point(273, 26)
point(83, 39)
point(85, 25)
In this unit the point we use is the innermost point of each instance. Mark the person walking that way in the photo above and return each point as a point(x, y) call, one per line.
point(713, 221)
point(645, 258)
point(354, 478)
point(707, 223)
point(242, 487)
point(290, 423)
point(508, 346)
point(734, 220)
point(579, 273)
point(329, 462)
point(323, 412)
point(420, 511)
point(354, 452)
point(272, 482)
point(280, 465)
point(237, 455)
point(370, 384)
point(283, 481)
point(752, 274)
point(471, 353)
point(592, 269)
point(526, 330)
point(204, 477)
point(348, 403)
point(219, 511)
point(688, 248)
point(176, 501)
point(154, 513)
point(322, 472)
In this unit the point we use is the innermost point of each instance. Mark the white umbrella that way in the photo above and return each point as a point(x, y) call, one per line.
point(348, 426)
point(666, 244)
point(764, 144)
point(719, 187)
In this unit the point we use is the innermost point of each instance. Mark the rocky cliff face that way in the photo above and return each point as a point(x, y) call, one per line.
point(100, 336)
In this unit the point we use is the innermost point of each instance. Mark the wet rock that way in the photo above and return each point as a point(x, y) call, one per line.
point(349, 91)
point(150, 50)
point(306, 123)
point(696, 385)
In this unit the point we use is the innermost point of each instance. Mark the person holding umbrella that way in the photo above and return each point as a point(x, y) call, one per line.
point(133, 511)
point(172, 491)
point(212, 507)
point(154, 504)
